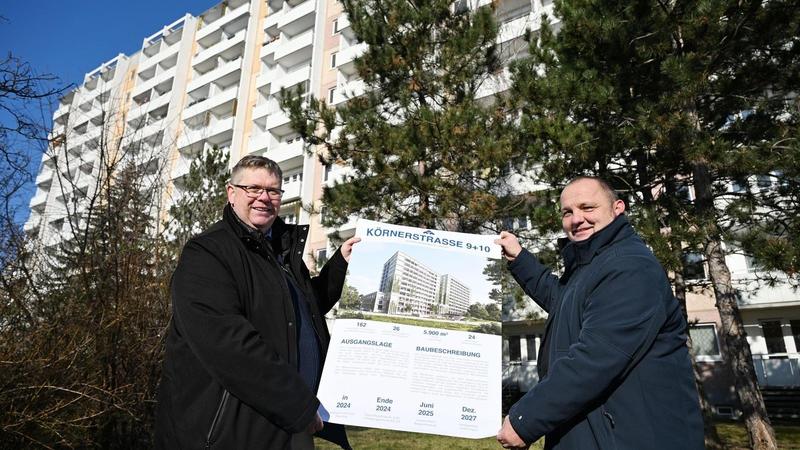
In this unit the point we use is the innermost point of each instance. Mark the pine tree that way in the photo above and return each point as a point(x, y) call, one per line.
point(667, 98)
point(204, 197)
point(424, 149)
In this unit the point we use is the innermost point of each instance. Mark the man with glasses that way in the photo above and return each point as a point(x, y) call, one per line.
point(247, 340)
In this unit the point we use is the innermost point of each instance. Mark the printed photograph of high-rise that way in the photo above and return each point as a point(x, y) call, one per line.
point(407, 282)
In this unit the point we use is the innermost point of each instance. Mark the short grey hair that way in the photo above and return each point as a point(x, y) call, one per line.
point(255, 162)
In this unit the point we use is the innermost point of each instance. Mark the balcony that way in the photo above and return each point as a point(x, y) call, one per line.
point(278, 123)
point(298, 19)
point(494, 84)
point(152, 128)
point(513, 29)
point(215, 21)
point(259, 143)
point(519, 376)
point(344, 28)
point(508, 8)
point(345, 58)
point(261, 110)
point(193, 135)
point(283, 152)
point(292, 78)
point(777, 370)
point(39, 199)
point(271, 45)
point(219, 47)
point(153, 82)
point(164, 52)
point(33, 223)
point(60, 114)
point(211, 102)
point(346, 91)
point(293, 51)
point(752, 297)
point(265, 78)
point(271, 21)
point(291, 191)
point(215, 74)
point(156, 102)
point(181, 166)
point(44, 176)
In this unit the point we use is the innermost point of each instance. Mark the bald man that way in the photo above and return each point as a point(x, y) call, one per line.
point(614, 369)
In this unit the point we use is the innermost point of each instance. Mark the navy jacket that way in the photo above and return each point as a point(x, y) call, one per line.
point(230, 376)
point(614, 369)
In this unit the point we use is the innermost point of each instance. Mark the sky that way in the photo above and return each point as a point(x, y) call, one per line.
point(70, 38)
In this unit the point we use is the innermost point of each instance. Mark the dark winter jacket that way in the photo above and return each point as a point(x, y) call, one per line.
point(614, 369)
point(230, 377)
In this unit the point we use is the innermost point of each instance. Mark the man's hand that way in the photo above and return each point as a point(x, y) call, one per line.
point(509, 438)
point(315, 424)
point(347, 247)
point(510, 244)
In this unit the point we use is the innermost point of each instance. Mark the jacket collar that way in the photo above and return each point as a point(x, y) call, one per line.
point(282, 234)
point(579, 253)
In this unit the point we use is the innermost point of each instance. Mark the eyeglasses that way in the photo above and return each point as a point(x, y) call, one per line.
point(256, 191)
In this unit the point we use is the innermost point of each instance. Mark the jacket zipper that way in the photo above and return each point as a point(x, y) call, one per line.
point(217, 417)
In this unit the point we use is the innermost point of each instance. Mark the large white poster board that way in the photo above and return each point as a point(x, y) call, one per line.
point(421, 350)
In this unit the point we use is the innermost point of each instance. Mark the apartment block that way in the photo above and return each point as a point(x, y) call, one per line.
point(412, 288)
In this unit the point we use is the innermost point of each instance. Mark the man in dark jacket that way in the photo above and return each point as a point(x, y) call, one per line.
point(613, 367)
point(247, 340)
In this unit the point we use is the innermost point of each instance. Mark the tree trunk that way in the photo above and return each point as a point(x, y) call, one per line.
point(712, 439)
point(736, 349)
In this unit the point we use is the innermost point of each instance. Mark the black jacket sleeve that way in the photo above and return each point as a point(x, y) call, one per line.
point(208, 313)
point(330, 281)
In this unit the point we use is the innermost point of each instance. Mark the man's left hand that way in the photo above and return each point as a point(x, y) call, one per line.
point(509, 438)
point(347, 247)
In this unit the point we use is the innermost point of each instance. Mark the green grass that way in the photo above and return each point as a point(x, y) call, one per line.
point(734, 434)
point(371, 438)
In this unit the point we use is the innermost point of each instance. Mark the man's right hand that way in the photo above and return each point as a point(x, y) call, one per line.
point(315, 424)
point(510, 244)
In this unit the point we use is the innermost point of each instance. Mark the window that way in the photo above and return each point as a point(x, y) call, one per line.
point(704, 340)
point(751, 264)
point(693, 266)
point(739, 186)
point(684, 192)
point(531, 340)
point(331, 95)
point(764, 181)
point(514, 353)
point(321, 257)
point(335, 26)
point(327, 172)
point(795, 325)
point(333, 60)
point(773, 335)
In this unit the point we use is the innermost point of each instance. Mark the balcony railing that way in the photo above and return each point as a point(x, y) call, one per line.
point(777, 369)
